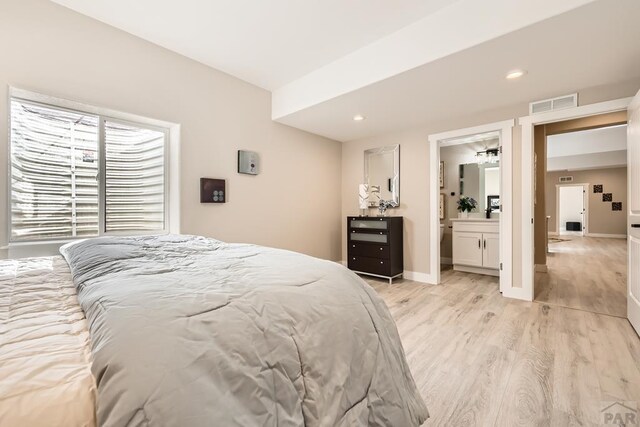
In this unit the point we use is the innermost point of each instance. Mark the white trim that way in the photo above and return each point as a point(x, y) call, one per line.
point(527, 123)
point(418, 277)
point(585, 202)
point(607, 236)
point(516, 293)
point(506, 215)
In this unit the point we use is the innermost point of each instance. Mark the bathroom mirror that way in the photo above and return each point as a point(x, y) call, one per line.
point(382, 168)
point(482, 182)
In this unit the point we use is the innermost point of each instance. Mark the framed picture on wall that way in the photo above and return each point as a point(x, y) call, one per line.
point(441, 174)
point(442, 205)
point(493, 202)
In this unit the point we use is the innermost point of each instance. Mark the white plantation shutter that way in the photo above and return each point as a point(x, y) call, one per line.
point(134, 178)
point(55, 179)
point(54, 192)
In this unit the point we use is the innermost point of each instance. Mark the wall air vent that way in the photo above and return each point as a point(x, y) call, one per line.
point(559, 103)
point(566, 179)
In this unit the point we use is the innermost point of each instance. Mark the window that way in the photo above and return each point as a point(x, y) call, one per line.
point(76, 174)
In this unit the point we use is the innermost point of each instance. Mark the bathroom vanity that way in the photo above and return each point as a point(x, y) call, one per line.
point(476, 245)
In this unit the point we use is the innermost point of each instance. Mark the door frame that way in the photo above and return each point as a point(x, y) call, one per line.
point(505, 129)
point(527, 124)
point(585, 206)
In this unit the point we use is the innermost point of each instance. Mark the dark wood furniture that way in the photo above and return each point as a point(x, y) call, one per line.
point(375, 246)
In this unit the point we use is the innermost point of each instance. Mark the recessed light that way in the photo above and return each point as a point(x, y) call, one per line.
point(515, 74)
point(358, 118)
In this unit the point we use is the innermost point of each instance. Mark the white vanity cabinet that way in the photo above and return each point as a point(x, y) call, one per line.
point(476, 246)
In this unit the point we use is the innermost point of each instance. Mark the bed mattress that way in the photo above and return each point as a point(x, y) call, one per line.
point(45, 358)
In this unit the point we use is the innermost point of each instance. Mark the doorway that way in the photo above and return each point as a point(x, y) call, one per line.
point(503, 205)
point(581, 186)
point(528, 168)
point(571, 209)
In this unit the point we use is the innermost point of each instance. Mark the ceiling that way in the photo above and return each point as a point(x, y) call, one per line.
point(594, 45)
point(588, 149)
point(401, 64)
point(267, 43)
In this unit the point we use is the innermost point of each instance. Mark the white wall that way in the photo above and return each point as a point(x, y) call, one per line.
point(295, 201)
point(571, 202)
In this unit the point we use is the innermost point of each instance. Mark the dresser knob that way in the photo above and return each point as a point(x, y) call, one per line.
point(381, 262)
point(354, 259)
point(381, 232)
point(380, 248)
point(354, 246)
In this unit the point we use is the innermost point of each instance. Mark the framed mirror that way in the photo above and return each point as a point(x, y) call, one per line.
point(382, 169)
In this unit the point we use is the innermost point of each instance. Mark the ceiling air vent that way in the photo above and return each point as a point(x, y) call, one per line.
point(566, 179)
point(559, 103)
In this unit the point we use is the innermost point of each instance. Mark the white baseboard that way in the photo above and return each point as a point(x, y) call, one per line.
point(607, 236)
point(418, 277)
point(517, 293)
point(446, 260)
point(409, 275)
point(541, 268)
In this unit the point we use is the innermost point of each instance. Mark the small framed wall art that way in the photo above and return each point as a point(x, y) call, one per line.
point(248, 162)
point(493, 202)
point(441, 174)
point(213, 190)
point(443, 205)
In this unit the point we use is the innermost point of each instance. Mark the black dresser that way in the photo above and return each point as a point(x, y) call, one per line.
point(374, 246)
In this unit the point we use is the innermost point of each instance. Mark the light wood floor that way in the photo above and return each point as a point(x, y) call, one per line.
point(586, 273)
point(483, 360)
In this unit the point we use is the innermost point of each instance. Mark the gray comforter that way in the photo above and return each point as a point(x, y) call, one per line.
point(189, 331)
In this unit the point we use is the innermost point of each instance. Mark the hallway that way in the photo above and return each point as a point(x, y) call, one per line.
point(585, 273)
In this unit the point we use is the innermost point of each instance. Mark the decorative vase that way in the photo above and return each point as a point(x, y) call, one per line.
point(463, 214)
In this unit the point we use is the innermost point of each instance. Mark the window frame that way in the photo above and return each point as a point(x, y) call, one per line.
point(169, 130)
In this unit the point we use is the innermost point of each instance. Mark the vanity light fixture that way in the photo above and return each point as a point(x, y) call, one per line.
point(358, 118)
point(489, 155)
point(515, 74)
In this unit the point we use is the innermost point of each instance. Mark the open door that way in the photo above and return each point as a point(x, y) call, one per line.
point(633, 234)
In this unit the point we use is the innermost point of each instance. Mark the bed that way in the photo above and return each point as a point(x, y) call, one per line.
point(186, 330)
point(45, 359)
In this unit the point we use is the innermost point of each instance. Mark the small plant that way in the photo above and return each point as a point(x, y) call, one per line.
point(467, 204)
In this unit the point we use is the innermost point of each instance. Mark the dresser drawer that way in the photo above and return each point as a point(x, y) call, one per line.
point(379, 237)
point(370, 265)
point(369, 250)
point(368, 224)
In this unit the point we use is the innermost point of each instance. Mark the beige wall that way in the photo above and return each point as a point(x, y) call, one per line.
point(602, 220)
point(414, 174)
point(294, 203)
